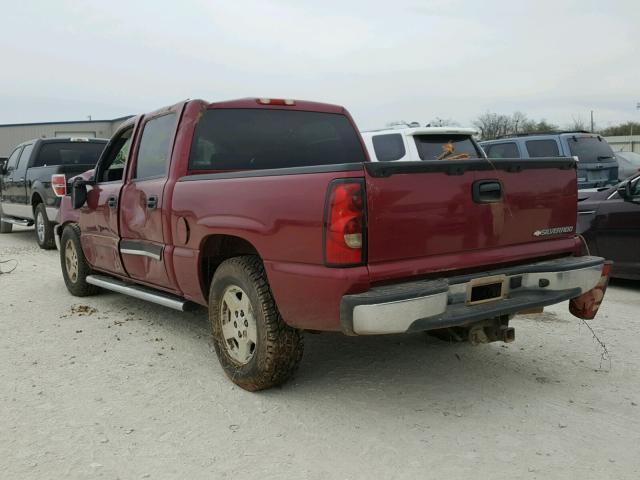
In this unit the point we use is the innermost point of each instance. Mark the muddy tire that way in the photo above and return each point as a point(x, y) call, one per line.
point(75, 268)
point(256, 349)
point(4, 226)
point(44, 228)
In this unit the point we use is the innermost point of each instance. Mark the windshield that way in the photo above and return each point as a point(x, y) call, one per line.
point(234, 139)
point(590, 149)
point(435, 147)
point(69, 153)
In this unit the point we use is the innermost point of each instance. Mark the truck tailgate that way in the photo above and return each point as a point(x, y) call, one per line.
point(450, 208)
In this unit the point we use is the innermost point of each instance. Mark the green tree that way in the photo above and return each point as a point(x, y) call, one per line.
point(628, 128)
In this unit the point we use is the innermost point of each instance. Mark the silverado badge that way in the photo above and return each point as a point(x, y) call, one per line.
point(553, 231)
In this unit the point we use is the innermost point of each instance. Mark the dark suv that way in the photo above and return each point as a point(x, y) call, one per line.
point(27, 195)
point(597, 165)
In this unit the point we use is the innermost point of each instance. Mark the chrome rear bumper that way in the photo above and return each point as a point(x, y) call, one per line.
point(432, 304)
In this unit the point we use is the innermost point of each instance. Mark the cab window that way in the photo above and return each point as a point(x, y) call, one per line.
point(542, 148)
point(388, 147)
point(503, 150)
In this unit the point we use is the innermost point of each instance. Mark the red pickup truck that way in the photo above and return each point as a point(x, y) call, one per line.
point(269, 213)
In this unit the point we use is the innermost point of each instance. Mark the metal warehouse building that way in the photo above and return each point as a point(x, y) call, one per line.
point(14, 134)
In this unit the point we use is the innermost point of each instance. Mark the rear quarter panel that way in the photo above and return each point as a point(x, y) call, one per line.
point(282, 217)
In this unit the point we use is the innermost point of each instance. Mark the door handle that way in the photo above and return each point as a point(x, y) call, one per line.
point(487, 191)
point(152, 202)
point(112, 201)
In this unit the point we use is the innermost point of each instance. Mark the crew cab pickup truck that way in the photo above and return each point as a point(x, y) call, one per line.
point(269, 213)
point(28, 181)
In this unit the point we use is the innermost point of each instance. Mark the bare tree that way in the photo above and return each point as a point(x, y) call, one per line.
point(577, 124)
point(443, 122)
point(494, 125)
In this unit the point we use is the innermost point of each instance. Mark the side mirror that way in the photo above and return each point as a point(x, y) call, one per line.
point(627, 192)
point(78, 193)
point(3, 165)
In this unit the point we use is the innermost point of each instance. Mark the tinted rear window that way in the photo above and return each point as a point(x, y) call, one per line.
point(388, 147)
point(542, 148)
point(502, 150)
point(68, 153)
point(430, 147)
point(590, 149)
point(236, 139)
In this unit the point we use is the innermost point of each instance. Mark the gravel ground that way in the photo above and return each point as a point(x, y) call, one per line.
point(113, 387)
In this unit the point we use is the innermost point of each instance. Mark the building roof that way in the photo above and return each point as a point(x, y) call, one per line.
point(67, 122)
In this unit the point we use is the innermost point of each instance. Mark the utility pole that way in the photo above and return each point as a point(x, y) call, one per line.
point(591, 121)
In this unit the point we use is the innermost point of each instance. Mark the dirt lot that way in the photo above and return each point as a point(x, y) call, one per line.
point(113, 387)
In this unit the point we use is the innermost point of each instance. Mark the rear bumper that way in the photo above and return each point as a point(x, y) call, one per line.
point(432, 304)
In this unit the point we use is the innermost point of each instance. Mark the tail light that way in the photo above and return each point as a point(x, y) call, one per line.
point(345, 224)
point(586, 305)
point(59, 184)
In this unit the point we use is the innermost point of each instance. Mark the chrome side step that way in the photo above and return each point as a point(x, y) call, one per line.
point(17, 221)
point(143, 293)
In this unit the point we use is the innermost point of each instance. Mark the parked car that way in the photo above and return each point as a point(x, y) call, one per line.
point(269, 213)
point(402, 143)
point(609, 220)
point(628, 164)
point(597, 166)
point(27, 193)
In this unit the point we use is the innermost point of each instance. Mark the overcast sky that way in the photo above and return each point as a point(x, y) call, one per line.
point(384, 61)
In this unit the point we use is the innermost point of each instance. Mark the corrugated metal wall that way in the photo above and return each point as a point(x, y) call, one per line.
point(12, 135)
point(625, 143)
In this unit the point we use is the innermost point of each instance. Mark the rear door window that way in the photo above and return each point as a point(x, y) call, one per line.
point(590, 149)
point(502, 150)
point(241, 139)
point(433, 147)
point(388, 147)
point(24, 159)
point(542, 148)
point(155, 147)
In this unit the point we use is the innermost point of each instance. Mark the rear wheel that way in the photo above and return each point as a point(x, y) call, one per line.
point(5, 227)
point(75, 268)
point(256, 349)
point(44, 228)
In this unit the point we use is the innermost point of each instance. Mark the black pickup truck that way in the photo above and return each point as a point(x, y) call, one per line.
point(27, 195)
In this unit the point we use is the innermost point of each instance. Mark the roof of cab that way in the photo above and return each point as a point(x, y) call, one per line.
point(255, 102)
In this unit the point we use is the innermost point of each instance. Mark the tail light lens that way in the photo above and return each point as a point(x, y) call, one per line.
point(59, 184)
point(586, 305)
point(345, 224)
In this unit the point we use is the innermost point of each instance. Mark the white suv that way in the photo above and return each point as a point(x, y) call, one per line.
point(421, 143)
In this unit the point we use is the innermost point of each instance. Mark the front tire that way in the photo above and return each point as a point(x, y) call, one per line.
point(256, 349)
point(44, 228)
point(75, 268)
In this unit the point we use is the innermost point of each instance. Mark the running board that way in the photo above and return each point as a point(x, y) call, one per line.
point(16, 221)
point(143, 293)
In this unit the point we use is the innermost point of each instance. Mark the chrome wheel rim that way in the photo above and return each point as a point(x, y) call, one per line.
point(238, 323)
point(40, 227)
point(71, 261)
